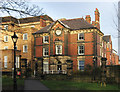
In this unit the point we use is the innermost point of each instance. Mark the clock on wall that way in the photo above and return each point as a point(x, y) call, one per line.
point(58, 32)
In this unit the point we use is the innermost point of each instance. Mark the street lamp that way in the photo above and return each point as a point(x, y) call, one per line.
point(14, 38)
point(94, 64)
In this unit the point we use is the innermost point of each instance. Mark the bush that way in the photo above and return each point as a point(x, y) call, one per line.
point(110, 80)
point(55, 77)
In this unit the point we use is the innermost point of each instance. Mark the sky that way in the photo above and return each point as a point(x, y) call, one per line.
point(70, 10)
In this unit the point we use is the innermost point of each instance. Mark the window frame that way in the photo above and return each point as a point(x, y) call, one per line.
point(81, 65)
point(45, 67)
point(24, 48)
point(5, 27)
point(56, 50)
point(81, 36)
point(79, 50)
point(5, 38)
point(45, 50)
point(17, 62)
point(44, 39)
point(5, 47)
point(25, 38)
point(5, 61)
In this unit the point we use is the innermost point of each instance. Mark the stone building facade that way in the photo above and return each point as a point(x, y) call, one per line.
point(77, 39)
point(24, 27)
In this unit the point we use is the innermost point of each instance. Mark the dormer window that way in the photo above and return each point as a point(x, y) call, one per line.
point(81, 36)
point(45, 39)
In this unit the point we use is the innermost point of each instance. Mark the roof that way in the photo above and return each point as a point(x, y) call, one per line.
point(106, 38)
point(77, 23)
point(9, 18)
point(25, 20)
point(34, 19)
point(72, 24)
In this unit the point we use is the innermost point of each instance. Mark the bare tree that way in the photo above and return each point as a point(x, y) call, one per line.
point(22, 7)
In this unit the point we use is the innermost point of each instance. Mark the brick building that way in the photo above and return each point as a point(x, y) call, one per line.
point(77, 39)
point(24, 27)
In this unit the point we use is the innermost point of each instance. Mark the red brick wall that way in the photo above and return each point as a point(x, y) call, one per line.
point(38, 51)
point(39, 40)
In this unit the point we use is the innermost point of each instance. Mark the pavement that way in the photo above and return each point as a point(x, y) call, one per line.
point(32, 85)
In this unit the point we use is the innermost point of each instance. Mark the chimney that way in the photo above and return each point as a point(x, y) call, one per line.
point(97, 15)
point(42, 22)
point(97, 19)
point(88, 18)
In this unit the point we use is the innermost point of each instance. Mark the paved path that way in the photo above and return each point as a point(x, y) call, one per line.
point(31, 84)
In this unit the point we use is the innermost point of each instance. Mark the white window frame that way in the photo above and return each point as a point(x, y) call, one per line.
point(79, 34)
point(6, 27)
point(81, 65)
point(5, 61)
point(25, 36)
point(6, 47)
point(5, 38)
point(24, 48)
point(79, 50)
point(33, 26)
point(44, 39)
point(58, 53)
point(45, 67)
point(17, 61)
point(45, 50)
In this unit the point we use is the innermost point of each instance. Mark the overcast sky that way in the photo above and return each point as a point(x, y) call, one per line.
point(74, 9)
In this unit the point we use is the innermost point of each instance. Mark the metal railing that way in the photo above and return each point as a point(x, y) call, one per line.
point(55, 72)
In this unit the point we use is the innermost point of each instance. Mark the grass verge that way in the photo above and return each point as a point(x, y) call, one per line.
point(72, 85)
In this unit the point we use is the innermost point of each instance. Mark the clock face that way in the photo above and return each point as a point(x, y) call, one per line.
point(58, 32)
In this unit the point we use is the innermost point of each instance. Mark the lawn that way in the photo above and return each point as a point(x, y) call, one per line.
point(7, 83)
point(71, 85)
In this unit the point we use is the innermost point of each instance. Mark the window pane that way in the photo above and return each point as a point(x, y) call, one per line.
point(25, 48)
point(81, 36)
point(45, 51)
point(81, 65)
point(58, 49)
point(6, 38)
point(80, 49)
point(45, 39)
point(5, 61)
point(25, 36)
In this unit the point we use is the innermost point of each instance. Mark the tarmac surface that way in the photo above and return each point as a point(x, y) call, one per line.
point(32, 85)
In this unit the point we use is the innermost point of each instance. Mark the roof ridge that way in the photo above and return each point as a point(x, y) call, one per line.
point(72, 19)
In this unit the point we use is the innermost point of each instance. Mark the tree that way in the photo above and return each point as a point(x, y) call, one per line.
point(21, 7)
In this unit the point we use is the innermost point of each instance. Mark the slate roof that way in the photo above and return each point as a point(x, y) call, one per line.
point(106, 38)
point(45, 29)
point(72, 24)
point(25, 20)
point(9, 18)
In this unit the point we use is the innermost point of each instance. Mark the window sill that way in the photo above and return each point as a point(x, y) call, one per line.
point(24, 52)
point(6, 41)
point(81, 54)
point(45, 55)
point(80, 40)
point(45, 42)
